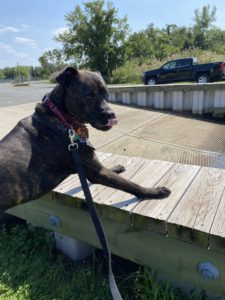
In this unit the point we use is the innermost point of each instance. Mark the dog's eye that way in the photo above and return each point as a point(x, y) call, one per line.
point(104, 92)
point(107, 96)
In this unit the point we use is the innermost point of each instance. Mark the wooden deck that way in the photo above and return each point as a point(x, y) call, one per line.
point(172, 235)
point(194, 212)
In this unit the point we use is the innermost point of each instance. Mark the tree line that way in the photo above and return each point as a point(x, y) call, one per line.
point(97, 39)
point(22, 72)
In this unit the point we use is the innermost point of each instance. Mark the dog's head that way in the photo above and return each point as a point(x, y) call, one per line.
point(86, 97)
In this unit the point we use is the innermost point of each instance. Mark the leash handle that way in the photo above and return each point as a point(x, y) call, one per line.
point(95, 219)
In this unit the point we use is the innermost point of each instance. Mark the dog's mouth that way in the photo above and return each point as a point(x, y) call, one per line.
point(104, 127)
point(112, 122)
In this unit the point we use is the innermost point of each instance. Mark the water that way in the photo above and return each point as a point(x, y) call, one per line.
point(14, 95)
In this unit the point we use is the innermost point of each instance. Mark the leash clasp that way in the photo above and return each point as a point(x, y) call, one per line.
point(72, 137)
point(70, 146)
point(45, 99)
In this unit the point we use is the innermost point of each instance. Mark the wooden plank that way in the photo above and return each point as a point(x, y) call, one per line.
point(102, 155)
point(119, 204)
point(73, 179)
point(196, 211)
point(71, 191)
point(153, 214)
point(126, 161)
point(175, 260)
point(70, 218)
point(100, 192)
point(67, 183)
point(132, 165)
point(71, 186)
point(217, 232)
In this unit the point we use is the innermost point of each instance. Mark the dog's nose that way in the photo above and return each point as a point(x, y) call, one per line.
point(109, 114)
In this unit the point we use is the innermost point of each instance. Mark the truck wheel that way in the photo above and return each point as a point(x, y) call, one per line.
point(151, 81)
point(203, 78)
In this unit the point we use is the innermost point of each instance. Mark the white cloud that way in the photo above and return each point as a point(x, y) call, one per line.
point(25, 26)
point(5, 47)
point(10, 50)
point(60, 30)
point(4, 29)
point(23, 40)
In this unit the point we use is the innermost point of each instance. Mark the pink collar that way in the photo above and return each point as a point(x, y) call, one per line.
point(67, 121)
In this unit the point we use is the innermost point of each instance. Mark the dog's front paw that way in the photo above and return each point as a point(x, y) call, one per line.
point(118, 169)
point(156, 193)
point(162, 192)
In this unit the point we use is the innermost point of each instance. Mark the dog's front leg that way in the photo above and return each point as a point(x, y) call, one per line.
point(97, 173)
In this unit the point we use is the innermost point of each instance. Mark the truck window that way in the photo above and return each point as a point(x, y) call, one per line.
point(184, 62)
point(169, 65)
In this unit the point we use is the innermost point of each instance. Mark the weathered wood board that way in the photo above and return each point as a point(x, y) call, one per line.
point(192, 213)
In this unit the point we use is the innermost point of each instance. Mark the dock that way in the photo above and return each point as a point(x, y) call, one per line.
point(192, 213)
point(173, 236)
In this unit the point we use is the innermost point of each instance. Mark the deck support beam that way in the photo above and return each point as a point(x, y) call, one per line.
point(171, 258)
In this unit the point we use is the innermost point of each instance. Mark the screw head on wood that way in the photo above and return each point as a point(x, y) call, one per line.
point(54, 220)
point(208, 271)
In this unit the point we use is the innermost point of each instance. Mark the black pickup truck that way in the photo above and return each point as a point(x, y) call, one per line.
point(185, 69)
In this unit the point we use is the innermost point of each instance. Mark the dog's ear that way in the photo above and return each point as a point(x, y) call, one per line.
point(99, 73)
point(66, 75)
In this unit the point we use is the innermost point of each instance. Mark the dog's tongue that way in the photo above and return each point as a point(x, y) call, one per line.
point(112, 122)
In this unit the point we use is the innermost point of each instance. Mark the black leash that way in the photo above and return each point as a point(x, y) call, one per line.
point(73, 148)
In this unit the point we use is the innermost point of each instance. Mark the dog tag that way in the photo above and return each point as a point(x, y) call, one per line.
point(82, 132)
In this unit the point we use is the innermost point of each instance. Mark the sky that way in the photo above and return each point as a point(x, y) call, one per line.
point(27, 27)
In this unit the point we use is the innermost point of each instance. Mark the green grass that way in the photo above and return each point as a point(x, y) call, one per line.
point(30, 268)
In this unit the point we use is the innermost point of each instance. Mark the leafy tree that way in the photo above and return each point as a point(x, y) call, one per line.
point(37, 73)
point(161, 42)
point(204, 20)
point(147, 44)
point(51, 61)
point(9, 73)
point(216, 40)
point(139, 46)
point(22, 72)
point(180, 37)
point(95, 37)
point(16, 73)
point(1, 75)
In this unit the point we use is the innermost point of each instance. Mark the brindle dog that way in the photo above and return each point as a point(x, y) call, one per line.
point(34, 156)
